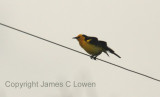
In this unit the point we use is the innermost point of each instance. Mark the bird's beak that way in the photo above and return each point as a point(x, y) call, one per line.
point(75, 38)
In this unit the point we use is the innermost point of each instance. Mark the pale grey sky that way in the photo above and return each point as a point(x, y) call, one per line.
point(130, 27)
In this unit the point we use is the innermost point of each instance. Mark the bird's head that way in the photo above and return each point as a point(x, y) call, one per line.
point(80, 37)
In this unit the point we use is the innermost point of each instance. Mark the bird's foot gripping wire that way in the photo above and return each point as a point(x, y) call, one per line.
point(93, 57)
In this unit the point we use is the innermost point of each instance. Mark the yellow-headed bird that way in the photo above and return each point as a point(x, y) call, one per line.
point(93, 46)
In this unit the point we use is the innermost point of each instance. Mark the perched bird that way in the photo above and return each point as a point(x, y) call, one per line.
point(93, 46)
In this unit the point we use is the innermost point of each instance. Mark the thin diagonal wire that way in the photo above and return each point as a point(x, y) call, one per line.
point(81, 52)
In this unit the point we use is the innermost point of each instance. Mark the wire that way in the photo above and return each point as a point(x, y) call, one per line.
point(81, 52)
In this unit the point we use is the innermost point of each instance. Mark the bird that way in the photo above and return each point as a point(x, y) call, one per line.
point(93, 46)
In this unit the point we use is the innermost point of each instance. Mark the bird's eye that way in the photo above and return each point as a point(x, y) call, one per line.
point(78, 37)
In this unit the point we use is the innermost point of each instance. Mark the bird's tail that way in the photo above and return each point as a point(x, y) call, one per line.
point(111, 51)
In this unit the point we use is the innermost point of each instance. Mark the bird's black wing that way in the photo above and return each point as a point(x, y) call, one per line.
point(102, 44)
point(91, 40)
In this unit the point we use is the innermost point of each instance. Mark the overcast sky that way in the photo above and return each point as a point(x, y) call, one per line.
point(130, 27)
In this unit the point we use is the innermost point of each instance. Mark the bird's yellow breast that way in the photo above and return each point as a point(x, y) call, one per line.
point(90, 48)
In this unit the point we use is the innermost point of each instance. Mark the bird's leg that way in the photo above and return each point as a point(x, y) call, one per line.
point(95, 57)
point(92, 57)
